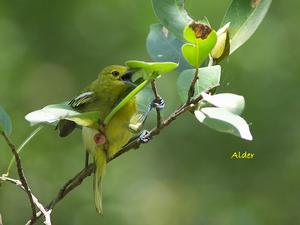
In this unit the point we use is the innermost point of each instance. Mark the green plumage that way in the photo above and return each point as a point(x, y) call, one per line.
point(102, 95)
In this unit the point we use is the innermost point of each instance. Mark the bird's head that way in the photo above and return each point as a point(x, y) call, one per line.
point(116, 76)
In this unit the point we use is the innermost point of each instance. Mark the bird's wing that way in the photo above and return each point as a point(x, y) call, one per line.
point(66, 127)
point(82, 99)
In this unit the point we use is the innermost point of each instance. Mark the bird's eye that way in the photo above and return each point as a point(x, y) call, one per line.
point(115, 73)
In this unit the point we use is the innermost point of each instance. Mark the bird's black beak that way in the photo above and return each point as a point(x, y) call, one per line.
point(127, 76)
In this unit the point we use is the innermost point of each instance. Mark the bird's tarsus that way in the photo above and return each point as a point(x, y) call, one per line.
point(144, 136)
point(158, 103)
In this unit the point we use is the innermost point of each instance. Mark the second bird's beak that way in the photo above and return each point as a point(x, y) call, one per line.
point(126, 77)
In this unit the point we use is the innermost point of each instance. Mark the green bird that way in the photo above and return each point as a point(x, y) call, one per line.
point(104, 141)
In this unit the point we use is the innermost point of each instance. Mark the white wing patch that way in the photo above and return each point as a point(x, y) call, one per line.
point(81, 99)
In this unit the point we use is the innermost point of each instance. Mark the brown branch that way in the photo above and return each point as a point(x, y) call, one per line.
point(21, 173)
point(191, 91)
point(156, 100)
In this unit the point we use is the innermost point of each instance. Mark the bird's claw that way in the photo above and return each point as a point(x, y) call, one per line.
point(144, 136)
point(158, 103)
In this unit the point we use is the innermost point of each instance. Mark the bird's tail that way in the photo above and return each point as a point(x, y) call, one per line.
point(100, 162)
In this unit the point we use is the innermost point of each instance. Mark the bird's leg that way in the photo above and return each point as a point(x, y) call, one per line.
point(158, 103)
point(144, 136)
point(138, 122)
point(86, 163)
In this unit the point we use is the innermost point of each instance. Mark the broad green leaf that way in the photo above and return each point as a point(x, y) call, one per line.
point(163, 46)
point(231, 102)
point(190, 53)
point(224, 121)
point(244, 16)
point(50, 114)
point(5, 122)
point(189, 35)
point(197, 53)
point(202, 26)
point(209, 77)
point(172, 15)
point(157, 67)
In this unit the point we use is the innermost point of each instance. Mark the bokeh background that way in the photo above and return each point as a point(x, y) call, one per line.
point(49, 50)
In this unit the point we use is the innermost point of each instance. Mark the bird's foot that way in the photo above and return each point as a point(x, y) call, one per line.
point(144, 136)
point(158, 103)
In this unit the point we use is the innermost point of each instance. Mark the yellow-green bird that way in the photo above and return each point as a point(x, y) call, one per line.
point(103, 142)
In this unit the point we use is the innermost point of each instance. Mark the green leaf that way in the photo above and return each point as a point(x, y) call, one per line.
point(190, 53)
point(209, 77)
point(51, 114)
point(5, 122)
point(231, 102)
point(244, 17)
point(190, 35)
point(163, 46)
point(224, 121)
point(172, 15)
point(157, 67)
point(198, 51)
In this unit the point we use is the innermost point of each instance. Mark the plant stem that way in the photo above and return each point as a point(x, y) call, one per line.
point(157, 100)
point(191, 91)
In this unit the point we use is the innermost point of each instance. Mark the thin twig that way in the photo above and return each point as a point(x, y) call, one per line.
point(35, 199)
point(21, 173)
point(192, 87)
point(157, 100)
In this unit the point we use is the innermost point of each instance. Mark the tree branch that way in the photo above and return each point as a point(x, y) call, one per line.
point(192, 87)
point(21, 173)
point(156, 100)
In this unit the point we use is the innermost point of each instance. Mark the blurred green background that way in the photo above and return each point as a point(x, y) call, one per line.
point(49, 50)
